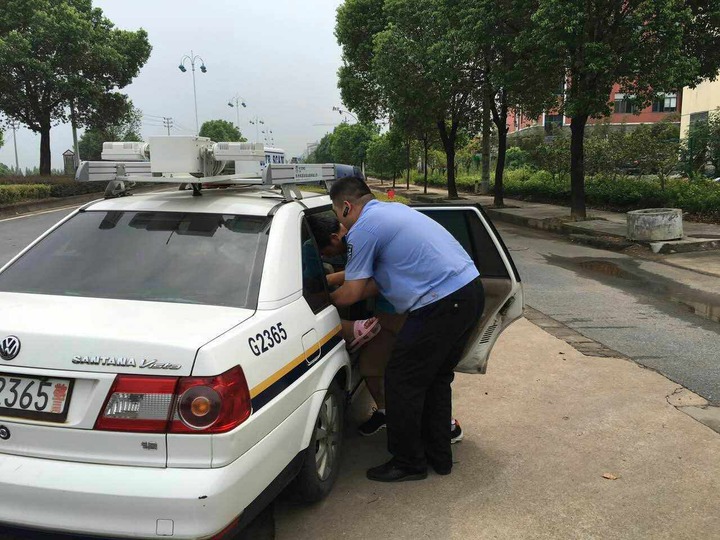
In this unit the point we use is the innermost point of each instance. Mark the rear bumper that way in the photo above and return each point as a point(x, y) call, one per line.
point(138, 502)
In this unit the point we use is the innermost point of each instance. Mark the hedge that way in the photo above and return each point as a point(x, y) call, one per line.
point(60, 186)
point(23, 192)
point(698, 197)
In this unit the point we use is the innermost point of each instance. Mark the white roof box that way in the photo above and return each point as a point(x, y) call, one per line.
point(125, 151)
point(238, 151)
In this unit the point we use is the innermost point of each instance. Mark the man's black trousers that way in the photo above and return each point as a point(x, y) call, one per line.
point(418, 377)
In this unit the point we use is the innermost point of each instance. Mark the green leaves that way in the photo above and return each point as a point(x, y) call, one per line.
point(221, 131)
point(57, 52)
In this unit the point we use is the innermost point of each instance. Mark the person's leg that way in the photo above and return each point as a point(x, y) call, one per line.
point(376, 355)
point(437, 415)
point(419, 352)
point(427, 348)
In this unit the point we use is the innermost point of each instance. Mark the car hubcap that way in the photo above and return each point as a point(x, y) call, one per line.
point(326, 437)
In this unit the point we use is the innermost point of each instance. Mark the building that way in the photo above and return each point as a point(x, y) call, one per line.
point(698, 103)
point(624, 112)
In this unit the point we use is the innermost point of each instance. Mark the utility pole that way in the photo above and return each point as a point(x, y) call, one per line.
point(168, 123)
point(14, 125)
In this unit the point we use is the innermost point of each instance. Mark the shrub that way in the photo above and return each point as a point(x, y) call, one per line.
point(515, 158)
point(23, 192)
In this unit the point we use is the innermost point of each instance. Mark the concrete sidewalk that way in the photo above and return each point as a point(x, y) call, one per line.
point(542, 428)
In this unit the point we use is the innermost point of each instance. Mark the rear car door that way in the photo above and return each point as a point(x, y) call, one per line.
point(504, 300)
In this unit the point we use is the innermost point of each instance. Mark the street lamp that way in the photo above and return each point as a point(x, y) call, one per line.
point(342, 111)
point(192, 58)
point(236, 101)
point(269, 138)
point(256, 122)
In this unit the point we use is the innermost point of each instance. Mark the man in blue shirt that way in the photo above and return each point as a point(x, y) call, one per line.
point(423, 271)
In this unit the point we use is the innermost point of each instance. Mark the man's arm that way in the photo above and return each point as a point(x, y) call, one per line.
point(336, 279)
point(353, 291)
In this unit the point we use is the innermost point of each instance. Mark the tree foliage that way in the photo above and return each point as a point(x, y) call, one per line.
point(350, 142)
point(126, 129)
point(646, 46)
point(386, 154)
point(221, 131)
point(58, 54)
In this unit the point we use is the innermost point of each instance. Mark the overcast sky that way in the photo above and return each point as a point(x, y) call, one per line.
point(281, 56)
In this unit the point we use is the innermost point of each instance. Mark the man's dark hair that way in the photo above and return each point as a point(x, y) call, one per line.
point(350, 188)
point(323, 227)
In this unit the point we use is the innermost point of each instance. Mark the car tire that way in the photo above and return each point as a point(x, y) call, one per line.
point(321, 463)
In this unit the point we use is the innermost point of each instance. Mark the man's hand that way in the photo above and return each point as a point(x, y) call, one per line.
point(353, 291)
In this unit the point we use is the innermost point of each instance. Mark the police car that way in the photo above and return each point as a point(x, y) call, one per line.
point(169, 364)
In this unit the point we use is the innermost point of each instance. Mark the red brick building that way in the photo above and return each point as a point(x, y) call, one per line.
point(623, 113)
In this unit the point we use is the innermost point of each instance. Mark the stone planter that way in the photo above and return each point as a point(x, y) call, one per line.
point(655, 224)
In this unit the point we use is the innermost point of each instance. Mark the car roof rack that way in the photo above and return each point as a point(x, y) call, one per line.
point(198, 161)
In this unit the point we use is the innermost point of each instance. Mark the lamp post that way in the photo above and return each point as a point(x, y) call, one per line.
point(256, 122)
point(192, 58)
point(344, 112)
point(236, 101)
point(269, 138)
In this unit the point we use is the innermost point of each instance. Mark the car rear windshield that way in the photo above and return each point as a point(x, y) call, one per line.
point(192, 258)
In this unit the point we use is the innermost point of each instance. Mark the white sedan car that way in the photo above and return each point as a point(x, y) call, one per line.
point(170, 363)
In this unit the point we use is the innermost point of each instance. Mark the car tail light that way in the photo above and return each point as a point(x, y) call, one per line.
point(211, 404)
point(177, 405)
point(138, 404)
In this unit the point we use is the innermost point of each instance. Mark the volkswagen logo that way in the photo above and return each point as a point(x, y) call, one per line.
point(9, 348)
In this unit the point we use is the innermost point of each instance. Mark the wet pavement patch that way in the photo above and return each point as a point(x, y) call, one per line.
point(627, 275)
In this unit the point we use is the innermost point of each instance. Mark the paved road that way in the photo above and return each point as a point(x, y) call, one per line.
point(16, 233)
point(595, 292)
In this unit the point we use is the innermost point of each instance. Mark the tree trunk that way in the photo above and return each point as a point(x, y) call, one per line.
point(448, 140)
point(501, 123)
point(425, 165)
point(577, 166)
point(45, 156)
point(486, 130)
point(407, 178)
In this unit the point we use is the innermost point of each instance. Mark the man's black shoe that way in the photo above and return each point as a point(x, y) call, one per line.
point(389, 472)
point(442, 471)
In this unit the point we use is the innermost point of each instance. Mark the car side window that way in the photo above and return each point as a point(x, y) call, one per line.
point(315, 288)
point(466, 227)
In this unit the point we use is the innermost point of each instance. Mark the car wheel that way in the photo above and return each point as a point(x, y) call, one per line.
point(321, 463)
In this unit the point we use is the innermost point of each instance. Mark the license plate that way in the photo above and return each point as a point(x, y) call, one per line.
point(38, 398)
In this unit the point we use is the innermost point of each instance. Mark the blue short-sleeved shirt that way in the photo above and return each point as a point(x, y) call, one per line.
point(414, 260)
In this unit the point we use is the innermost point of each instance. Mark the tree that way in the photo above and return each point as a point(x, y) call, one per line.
point(350, 142)
point(126, 129)
point(323, 152)
point(431, 73)
point(512, 78)
point(646, 46)
point(386, 155)
point(221, 131)
point(58, 56)
point(357, 23)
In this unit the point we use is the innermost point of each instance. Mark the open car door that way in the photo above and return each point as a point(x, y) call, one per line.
point(504, 301)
